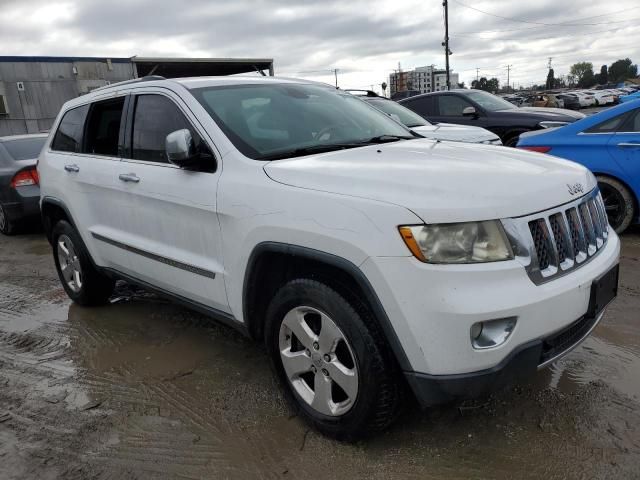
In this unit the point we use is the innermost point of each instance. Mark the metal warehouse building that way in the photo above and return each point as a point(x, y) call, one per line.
point(32, 89)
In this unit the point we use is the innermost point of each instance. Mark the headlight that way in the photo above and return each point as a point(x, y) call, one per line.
point(551, 124)
point(469, 242)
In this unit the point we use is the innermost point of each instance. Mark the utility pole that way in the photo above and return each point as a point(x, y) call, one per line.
point(445, 44)
point(508, 72)
point(477, 74)
point(335, 72)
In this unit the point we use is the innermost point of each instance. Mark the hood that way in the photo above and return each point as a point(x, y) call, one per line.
point(440, 181)
point(549, 113)
point(458, 133)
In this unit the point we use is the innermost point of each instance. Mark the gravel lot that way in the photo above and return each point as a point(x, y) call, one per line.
point(144, 389)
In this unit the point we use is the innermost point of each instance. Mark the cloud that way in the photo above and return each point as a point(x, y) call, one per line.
point(365, 40)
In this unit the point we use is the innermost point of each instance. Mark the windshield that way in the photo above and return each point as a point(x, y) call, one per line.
point(272, 121)
point(489, 102)
point(24, 148)
point(406, 116)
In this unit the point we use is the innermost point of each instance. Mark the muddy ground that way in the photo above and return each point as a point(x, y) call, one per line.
point(144, 389)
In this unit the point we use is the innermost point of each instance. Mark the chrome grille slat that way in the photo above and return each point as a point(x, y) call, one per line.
point(562, 239)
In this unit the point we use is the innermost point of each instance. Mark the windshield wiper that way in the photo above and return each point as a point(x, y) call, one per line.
point(330, 147)
point(387, 139)
point(298, 152)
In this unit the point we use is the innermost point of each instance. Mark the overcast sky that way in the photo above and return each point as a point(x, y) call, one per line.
point(365, 40)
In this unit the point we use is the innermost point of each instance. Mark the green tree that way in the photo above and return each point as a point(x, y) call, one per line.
point(550, 80)
point(583, 72)
point(491, 85)
point(604, 75)
point(621, 70)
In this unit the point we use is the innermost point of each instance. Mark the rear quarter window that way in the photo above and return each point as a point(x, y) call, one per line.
point(68, 137)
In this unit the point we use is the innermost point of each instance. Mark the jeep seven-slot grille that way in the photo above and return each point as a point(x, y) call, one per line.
point(563, 240)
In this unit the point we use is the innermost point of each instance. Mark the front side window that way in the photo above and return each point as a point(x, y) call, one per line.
point(103, 127)
point(632, 125)
point(451, 105)
point(273, 121)
point(68, 137)
point(609, 126)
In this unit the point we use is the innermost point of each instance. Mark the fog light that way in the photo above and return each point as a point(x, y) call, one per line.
point(491, 333)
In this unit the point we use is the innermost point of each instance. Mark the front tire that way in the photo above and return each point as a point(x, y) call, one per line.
point(328, 355)
point(84, 284)
point(619, 203)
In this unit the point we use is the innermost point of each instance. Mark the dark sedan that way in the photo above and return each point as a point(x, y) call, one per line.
point(19, 189)
point(571, 102)
point(482, 109)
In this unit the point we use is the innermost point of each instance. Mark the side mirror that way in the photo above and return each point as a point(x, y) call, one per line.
point(469, 112)
point(180, 148)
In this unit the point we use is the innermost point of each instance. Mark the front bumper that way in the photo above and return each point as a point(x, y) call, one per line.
point(432, 309)
point(519, 365)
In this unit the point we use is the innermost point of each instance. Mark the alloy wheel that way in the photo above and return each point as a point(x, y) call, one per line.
point(318, 361)
point(69, 263)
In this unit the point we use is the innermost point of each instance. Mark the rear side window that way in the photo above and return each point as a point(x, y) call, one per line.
point(422, 106)
point(24, 148)
point(103, 127)
point(609, 126)
point(156, 117)
point(68, 137)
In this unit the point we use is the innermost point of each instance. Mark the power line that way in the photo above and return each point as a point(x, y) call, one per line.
point(544, 26)
point(511, 19)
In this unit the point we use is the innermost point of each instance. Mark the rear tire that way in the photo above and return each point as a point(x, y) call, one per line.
point(619, 203)
point(84, 284)
point(359, 361)
point(7, 227)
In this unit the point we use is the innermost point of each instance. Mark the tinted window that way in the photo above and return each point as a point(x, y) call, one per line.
point(156, 117)
point(451, 105)
point(103, 127)
point(284, 120)
point(632, 124)
point(610, 125)
point(422, 106)
point(68, 138)
point(489, 101)
point(24, 148)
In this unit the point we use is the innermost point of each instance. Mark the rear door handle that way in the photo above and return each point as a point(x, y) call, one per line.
point(629, 145)
point(129, 177)
point(72, 168)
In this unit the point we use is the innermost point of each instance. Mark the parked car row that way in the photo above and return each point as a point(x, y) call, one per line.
point(571, 99)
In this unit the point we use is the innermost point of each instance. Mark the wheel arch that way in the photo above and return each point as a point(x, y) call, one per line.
point(53, 210)
point(272, 264)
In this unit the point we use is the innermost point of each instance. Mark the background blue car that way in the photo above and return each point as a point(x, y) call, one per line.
point(630, 97)
point(608, 143)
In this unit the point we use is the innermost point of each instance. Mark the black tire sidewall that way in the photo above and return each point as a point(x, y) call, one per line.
point(95, 287)
point(367, 356)
point(9, 226)
point(630, 206)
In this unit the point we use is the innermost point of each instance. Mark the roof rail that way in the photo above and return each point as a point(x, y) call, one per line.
point(148, 78)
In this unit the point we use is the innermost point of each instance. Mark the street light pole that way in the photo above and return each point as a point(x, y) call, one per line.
point(445, 4)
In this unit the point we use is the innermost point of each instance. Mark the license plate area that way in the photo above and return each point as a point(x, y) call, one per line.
point(603, 290)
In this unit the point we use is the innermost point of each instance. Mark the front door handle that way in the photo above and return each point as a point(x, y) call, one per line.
point(72, 168)
point(629, 145)
point(129, 177)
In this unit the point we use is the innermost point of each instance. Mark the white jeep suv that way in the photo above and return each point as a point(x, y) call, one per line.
point(370, 262)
